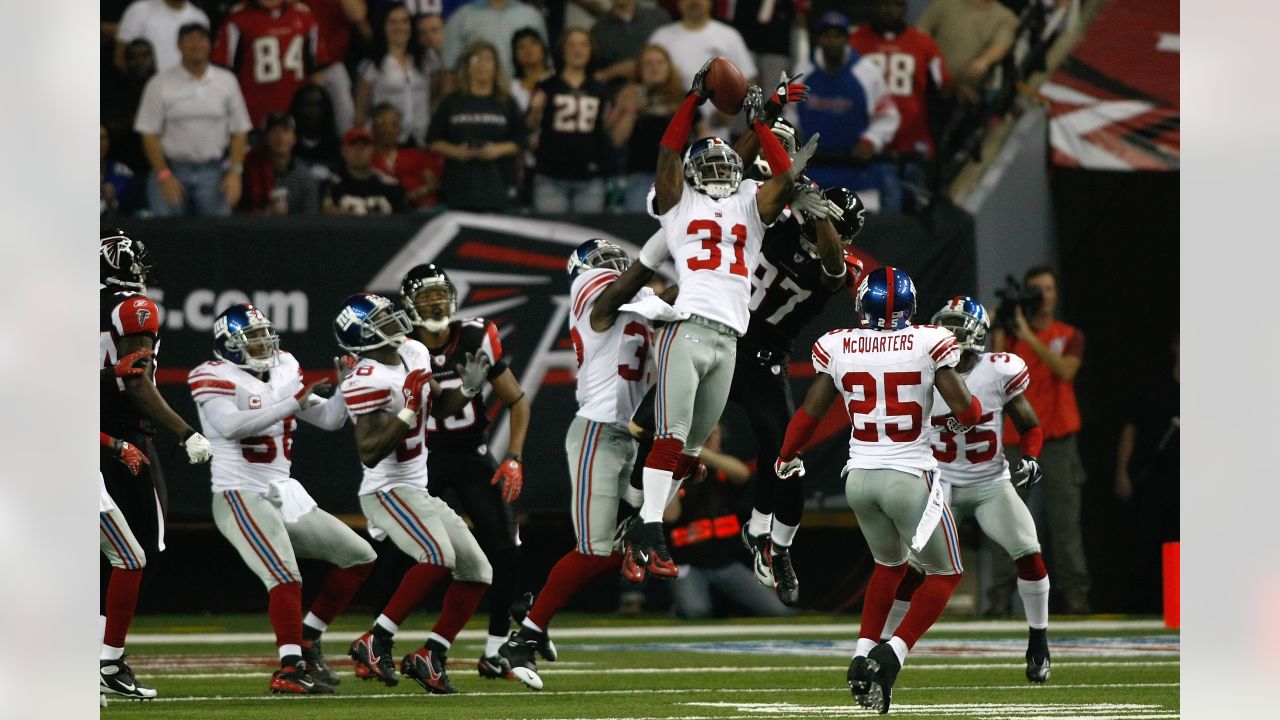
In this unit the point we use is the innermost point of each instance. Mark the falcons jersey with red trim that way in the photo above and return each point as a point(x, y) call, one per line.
point(249, 463)
point(123, 313)
point(372, 386)
point(975, 457)
point(615, 369)
point(465, 430)
point(272, 53)
point(886, 382)
point(912, 66)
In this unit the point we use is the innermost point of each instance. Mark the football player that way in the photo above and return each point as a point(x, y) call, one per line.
point(388, 390)
point(713, 224)
point(130, 406)
point(976, 474)
point(614, 373)
point(886, 373)
point(463, 472)
point(249, 398)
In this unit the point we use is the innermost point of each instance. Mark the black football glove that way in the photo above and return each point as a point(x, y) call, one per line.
point(1028, 472)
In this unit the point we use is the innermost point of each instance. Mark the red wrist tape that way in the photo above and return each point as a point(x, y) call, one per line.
point(1032, 442)
point(799, 431)
point(973, 413)
point(680, 125)
point(104, 439)
point(772, 149)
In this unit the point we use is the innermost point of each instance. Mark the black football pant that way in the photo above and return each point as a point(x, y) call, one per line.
point(763, 391)
point(461, 479)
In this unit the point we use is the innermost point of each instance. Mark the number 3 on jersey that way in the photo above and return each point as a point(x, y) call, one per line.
point(709, 232)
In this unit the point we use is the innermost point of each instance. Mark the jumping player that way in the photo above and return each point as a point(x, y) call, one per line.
point(388, 391)
point(132, 518)
point(458, 461)
point(886, 373)
point(249, 397)
point(713, 224)
point(976, 474)
point(615, 370)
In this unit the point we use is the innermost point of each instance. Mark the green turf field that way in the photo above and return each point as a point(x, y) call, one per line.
point(218, 667)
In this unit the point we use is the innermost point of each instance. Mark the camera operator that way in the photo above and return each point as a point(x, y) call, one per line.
point(1053, 351)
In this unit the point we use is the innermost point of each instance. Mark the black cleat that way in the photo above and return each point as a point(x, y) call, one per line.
point(373, 659)
point(494, 667)
point(313, 654)
point(859, 680)
point(115, 677)
point(427, 667)
point(757, 546)
point(518, 651)
point(883, 663)
point(786, 584)
point(1037, 667)
point(298, 680)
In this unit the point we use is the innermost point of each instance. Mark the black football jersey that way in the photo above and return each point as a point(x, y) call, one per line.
point(573, 144)
point(786, 289)
point(122, 313)
point(465, 430)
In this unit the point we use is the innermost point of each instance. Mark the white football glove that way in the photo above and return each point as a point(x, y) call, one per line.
point(198, 449)
point(803, 155)
point(809, 204)
point(1028, 472)
point(473, 373)
point(786, 468)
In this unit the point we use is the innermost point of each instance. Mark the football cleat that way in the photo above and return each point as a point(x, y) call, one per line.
point(298, 680)
point(859, 680)
point(518, 651)
point(635, 557)
point(372, 656)
point(1037, 667)
point(313, 654)
point(756, 545)
point(427, 667)
point(521, 607)
point(116, 678)
point(652, 547)
point(883, 663)
point(786, 584)
point(494, 667)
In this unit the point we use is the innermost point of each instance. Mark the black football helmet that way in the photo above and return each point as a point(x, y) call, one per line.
point(421, 278)
point(851, 215)
point(123, 261)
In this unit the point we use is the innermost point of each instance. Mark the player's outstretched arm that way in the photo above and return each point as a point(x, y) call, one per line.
point(141, 390)
point(604, 311)
point(831, 255)
point(803, 424)
point(668, 182)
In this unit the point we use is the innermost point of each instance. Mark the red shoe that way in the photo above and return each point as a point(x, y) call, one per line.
point(428, 668)
point(297, 680)
point(372, 656)
point(660, 563)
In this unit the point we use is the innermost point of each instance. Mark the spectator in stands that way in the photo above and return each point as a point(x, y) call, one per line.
point(480, 132)
point(697, 38)
point(117, 185)
point(120, 101)
point(1053, 351)
point(573, 151)
point(430, 28)
point(442, 8)
point(973, 36)
point(357, 188)
point(620, 35)
point(276, 182)
point(642, 112)
point(914, 73)
point(766, 28)
point(336, 20)
point(157, 22)
point(533, 65)
point(191, 117)
point(705, 541)
point(491, 21)
point(316, 128)
point(394, 75)
point(418, 171)
point(850, 106)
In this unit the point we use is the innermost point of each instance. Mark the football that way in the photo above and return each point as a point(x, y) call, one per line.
point(728, 86)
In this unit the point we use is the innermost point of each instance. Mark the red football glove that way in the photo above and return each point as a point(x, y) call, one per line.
point(132, 457)
point(133, 364)
point(416, 386)
point(854, 267)
point(511, 474)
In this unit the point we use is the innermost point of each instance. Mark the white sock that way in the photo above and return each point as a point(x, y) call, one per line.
point(1035, 600)
point(102, 627)
point(782, 534)
point(675, 490)
point(633, 496)
point(657, 487)
point(436, 637)
point(531, 625)
point(385, 623)
point(899, 648)
point(759, 523)
point(897, 611)
point(314, 622)
point(110, 653)
point(492, 644)
point(863, 647)
point(290, 649)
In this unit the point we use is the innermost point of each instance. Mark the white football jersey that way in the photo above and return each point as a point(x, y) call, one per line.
point(372, 387)
point(250, 463)
point(615, 368)
point(976, 457)
point(886, 382)
point(715, 245)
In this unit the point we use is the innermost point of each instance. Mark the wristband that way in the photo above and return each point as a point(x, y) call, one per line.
point(408, 417)
point(799, 431)
point(1032, 442)
point(164, 174)
point(771, 148)
point(468, 392)
point(844, 270)
point(187, 435)
point(972, 414)
point(515, 456)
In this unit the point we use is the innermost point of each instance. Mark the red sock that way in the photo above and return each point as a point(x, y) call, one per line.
point(570, 573)
point(122, 599)
point(879, 598)
point(684, 465)
point(926, 607)
point(1031, 567)
point(909, 584)
point(417, 582)
point(284, 608)
point(340, 585)
point(460, 604)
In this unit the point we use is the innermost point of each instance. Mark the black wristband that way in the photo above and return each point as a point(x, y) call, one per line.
point(515, 456)
point(186, 435)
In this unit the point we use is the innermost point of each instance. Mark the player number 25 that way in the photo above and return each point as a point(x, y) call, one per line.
point(709, 232)
point(893, 405)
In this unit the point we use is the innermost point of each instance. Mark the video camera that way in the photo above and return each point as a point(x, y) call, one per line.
point(1016, 295)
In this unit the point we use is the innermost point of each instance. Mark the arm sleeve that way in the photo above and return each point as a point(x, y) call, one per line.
point(328, 415)
point(943, 350)
point(137, 315)
point(131, 23)
point(821, 355)
point(1016, 378)
point(491, 345)
point(1075, 345)
point(882, 111)
point(224, 47)
point(456, 37)
point(364, 400)
point(150, 117)
point(238, 114)
point(230, 422)
point(743, 58)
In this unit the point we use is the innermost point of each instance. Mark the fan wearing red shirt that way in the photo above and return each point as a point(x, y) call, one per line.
point(273, 47)
point(419, 171)
point(911, 63)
